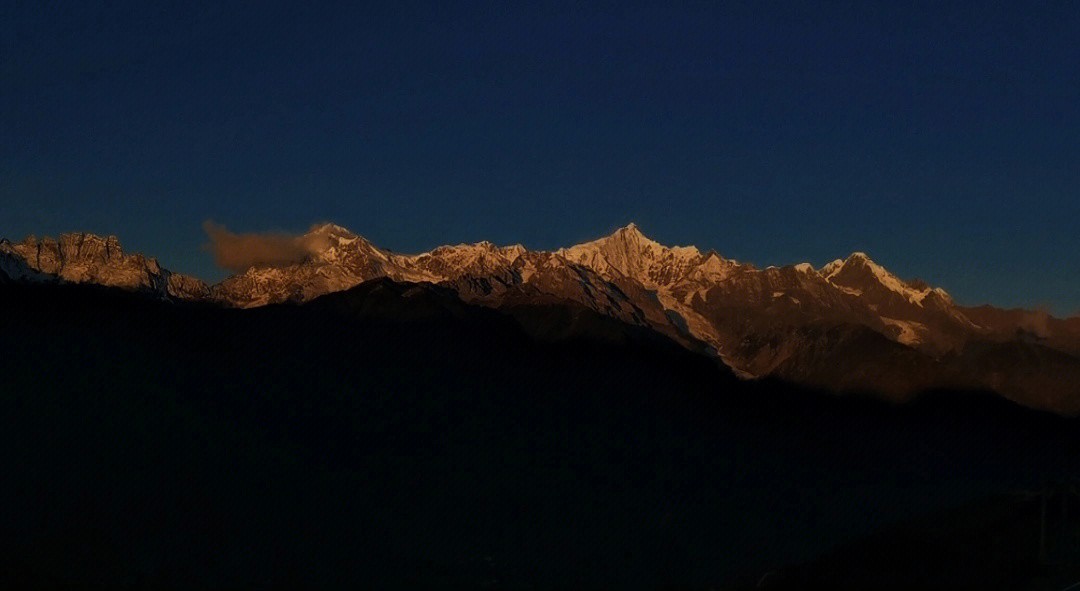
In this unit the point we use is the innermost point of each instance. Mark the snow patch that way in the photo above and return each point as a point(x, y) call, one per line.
point(849, 290)
point(909, 330)
point(832, 268)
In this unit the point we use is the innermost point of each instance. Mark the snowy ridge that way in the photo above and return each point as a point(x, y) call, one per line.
point(850, 275)
point(839, 326)
point(676, 290)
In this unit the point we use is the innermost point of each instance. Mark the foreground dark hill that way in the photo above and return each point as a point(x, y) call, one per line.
point(1026, 539)
point(393, 434)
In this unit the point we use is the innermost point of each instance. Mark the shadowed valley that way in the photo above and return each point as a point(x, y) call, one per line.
point(393, 433)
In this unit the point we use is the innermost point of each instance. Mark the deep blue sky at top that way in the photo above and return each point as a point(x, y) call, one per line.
point(944, 140)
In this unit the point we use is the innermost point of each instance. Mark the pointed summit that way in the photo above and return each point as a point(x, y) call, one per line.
point(860, 275)
point(633, 238)
point(629, 232)
point(624, 251)
point(858, 268)
point(629, 253)
point(855, 260)
point(333, 230)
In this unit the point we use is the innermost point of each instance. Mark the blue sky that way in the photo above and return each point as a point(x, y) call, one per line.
point(941, 139)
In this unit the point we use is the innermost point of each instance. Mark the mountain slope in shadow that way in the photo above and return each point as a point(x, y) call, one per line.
point(395, 434)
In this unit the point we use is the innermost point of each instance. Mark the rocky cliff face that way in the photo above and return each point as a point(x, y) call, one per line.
point(86, 258)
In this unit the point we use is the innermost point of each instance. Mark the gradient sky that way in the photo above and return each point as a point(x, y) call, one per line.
point(943, 141)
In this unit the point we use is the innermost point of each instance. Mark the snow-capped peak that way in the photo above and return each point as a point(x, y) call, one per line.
point(631, 238)
point(331, 229)
point(330, 243)
point(858, 273)
point(831, 269)
point(630, 253)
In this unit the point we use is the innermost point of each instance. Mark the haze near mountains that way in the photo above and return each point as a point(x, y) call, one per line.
point(850, 326)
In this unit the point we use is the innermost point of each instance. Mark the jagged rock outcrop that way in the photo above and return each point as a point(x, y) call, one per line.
point(186, 287)
point(87, 258)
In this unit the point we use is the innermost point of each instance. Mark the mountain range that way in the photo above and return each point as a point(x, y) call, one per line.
point(849, 327)
point(498, 417)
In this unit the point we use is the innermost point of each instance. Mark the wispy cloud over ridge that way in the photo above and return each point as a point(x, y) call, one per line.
point(239, 252)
